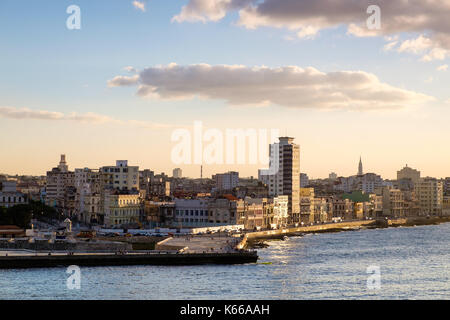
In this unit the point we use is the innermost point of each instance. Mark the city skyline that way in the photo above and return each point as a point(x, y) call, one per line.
point(201, 171)
point(66, 91)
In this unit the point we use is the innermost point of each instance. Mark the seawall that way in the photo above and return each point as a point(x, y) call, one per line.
point(64, 245)
point(329, 227)
point(340, 226)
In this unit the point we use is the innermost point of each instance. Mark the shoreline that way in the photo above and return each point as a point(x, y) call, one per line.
point(257, 239)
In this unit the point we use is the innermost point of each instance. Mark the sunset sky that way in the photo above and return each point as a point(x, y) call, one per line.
point(137, 71)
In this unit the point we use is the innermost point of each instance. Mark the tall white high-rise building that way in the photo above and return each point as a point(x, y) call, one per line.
point(283, 175)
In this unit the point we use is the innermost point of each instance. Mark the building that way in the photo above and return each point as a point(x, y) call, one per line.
point(332, 176)
point(446, 186)
point(60, 191)
point(11, 199)
point(8, 186)
point(121, 176)
point(223, 211)
point(321, 209)
point(360, 167)
point(283, 175)
point(304, 180)
point(280, 211)
point(342, 208)
point(408, 173)
point(177, 173)
point(255, 212)
point(429, 193)
point(446, 206)
point(226, 181)
point(393, 202)
point(367, 183)
point(306, 205)
point(192, 213)
point(88, 200)
point(122, 209)
point(92, 209)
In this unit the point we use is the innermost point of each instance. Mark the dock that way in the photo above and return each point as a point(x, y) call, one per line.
point(65, 259)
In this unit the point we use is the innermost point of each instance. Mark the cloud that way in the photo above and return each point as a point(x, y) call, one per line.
point(89, 117)
point(121, 81)
point(208, 10)
point(289, 86)
point(130, 69)
point(25, 113)
point(427, 20)
point(139, 5)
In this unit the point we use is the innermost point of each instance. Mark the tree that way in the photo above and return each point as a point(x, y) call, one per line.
point(19, 215)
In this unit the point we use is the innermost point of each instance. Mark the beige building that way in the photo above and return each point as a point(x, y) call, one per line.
point(429, 193)
point(393, 202)
point(121, 176)
point(122, 209)
point(320, 209)
point(92, 212)
point(306, 205)
point(408, 173)
point(342, 208)
point(446, 206)
point(60, 188)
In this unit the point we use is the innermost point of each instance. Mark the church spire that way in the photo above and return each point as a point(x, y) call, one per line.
point(360, 167)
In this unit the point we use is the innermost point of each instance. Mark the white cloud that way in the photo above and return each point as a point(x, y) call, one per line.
point(25, 113)
point(443, 67)
point(288, 86)
point(427, 19)
point(207, 10)
point(89, 117)
point(140, 5)
point(130, 69)
point(121, 81)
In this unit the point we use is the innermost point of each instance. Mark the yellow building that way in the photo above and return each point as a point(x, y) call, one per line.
point(122, 209)
point(429, 193)
point(306, 205)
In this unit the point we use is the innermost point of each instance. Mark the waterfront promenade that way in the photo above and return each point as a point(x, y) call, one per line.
point(200, 244)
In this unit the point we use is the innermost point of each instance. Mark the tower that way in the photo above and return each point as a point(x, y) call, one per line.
point(62, 164)
point(360, 167)
point(283, 176)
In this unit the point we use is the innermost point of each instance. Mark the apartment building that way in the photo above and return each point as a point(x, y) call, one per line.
point(60, 189)
point(121, 176)
point(122, 209)
point(283, 175)
point(429, 193)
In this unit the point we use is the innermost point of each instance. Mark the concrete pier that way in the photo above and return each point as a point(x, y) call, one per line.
point(133, 258)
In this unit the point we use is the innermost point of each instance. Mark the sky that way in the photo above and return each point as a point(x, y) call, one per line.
point(137, 72)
